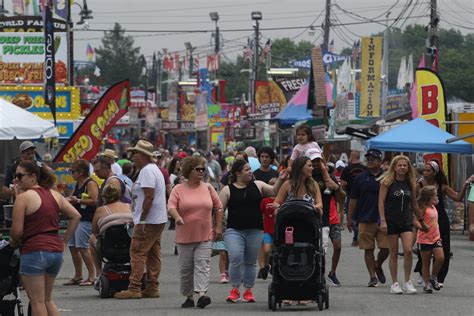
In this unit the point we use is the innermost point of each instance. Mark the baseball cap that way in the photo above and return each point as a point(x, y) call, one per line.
point(182, 155)
point(374, 153)
point(157, 154)
point(313, 153)
point(26, 145)
point(340, 164)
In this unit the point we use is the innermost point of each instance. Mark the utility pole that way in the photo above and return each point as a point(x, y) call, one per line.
point(256, 16)
point(432, 40)
point(327, 26)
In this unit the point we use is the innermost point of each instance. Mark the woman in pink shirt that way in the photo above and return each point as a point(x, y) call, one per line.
point(191, 204)
point(429, 242)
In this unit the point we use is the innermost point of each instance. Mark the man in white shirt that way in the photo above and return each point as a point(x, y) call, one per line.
point(149, 217)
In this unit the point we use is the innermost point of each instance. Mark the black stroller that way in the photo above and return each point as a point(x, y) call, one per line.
point(298, 259)
point(114, 246)
point(9, 282)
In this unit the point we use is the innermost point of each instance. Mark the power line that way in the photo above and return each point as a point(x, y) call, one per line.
point(248, 29)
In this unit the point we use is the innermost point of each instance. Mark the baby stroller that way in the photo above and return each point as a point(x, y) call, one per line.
point(298, 258)
point(114, 246)
point(9, 281)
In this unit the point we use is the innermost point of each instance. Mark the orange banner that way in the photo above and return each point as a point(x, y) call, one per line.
point(86, 140)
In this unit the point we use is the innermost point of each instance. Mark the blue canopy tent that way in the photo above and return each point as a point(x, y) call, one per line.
point(418, 135)
point(296, 110)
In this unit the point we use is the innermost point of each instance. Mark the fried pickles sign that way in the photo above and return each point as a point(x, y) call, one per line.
point(86, 140)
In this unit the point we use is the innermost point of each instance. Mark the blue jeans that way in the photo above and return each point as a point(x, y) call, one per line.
point(41, 262)
point(242, 247)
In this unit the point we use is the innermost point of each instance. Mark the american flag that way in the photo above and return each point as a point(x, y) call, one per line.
point(356, 50)
point(331, 47)
point(213, 62)
point(266, 50)
point(248, 53)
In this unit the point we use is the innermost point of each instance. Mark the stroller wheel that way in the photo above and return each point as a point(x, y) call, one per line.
point(320, 301)
point(326, 297)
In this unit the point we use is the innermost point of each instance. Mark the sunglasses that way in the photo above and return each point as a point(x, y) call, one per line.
point(19, 176)
point(200, 169)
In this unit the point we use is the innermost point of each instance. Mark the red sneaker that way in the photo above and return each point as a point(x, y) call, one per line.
point(248, 296)
point(234, 296)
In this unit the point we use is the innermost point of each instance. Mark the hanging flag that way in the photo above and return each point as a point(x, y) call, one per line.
point(176, 62)
point(266, 50)
point(60, 8)
point(186, 61)
point(434, 65)
point(213, 62)
point(86, 141)
point(410, 75)
point(49, 65)
point(248, 53)
point(18, 7)
point(331, 46)
point(401, 79)
point(370, 102)
point(89, 52)
point(167, 63)
point(414, 93)
point(355, 51)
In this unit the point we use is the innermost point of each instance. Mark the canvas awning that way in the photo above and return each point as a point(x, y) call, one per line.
point(418, 135)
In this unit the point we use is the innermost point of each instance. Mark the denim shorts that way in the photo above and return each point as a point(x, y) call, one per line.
point(267, 238)
point(41, 262)
point(80, 238)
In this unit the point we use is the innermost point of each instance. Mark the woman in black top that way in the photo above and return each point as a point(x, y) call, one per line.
point(433, 175)
point(244, 232)
point(84, 199)
point(397, 202)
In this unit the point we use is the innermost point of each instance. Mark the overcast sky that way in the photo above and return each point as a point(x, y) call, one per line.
point(175, 15)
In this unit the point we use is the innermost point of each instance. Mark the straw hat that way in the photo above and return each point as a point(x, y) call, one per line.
point(109, 153)
point(143, 147)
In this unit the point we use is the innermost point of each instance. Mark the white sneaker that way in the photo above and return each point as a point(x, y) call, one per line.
point(419, 280)
point(409, 288)
point(396, 289)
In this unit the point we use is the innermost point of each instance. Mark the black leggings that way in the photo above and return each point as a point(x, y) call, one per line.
point(445, 233)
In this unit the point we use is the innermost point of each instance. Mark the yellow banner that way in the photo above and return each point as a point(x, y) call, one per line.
point(370, 77)
point(432, 106)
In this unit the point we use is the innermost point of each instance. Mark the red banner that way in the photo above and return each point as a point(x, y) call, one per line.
point(86, 140)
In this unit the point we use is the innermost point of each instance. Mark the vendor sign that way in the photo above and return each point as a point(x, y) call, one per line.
point(28, 24)
point(370, 77)
point(86, 140)
point(22, 57)
point(32, 99)
point(269, 98)
point(432, 105)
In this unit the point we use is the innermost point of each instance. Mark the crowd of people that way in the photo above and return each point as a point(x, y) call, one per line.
point(225, 204)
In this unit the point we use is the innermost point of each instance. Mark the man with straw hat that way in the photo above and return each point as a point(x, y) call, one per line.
point(110, 154)
point(149, 217)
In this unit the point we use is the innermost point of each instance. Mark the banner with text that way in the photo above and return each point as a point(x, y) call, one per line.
point(87, 139)
point(269, 98)
point(23, 58)
point(371, 72)
point(432, 106)
point(28, 24)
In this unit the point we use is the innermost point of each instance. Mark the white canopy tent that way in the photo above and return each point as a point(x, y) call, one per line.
point(17, 124)
point(21, 124)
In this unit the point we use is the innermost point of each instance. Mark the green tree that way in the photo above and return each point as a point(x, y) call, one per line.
point(118, 59)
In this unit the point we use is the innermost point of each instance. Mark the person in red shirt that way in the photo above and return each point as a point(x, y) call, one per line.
point(268, 230)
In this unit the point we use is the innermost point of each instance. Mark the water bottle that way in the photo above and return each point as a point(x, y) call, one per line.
point(84, 196)
point(289, 235)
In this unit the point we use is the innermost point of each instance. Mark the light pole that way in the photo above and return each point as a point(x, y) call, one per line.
point(215, 17)
point(3, 11)
point(85, 14)
point(191, 60)
point(256, 16)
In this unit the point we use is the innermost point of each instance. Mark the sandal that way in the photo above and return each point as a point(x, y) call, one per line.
point(303, 303)
point(87, 283)
point(287, 302)
point(73, 282)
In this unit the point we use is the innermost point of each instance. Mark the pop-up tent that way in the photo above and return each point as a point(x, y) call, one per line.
point(21, 124)
point(296, 110)
point(418, 135)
